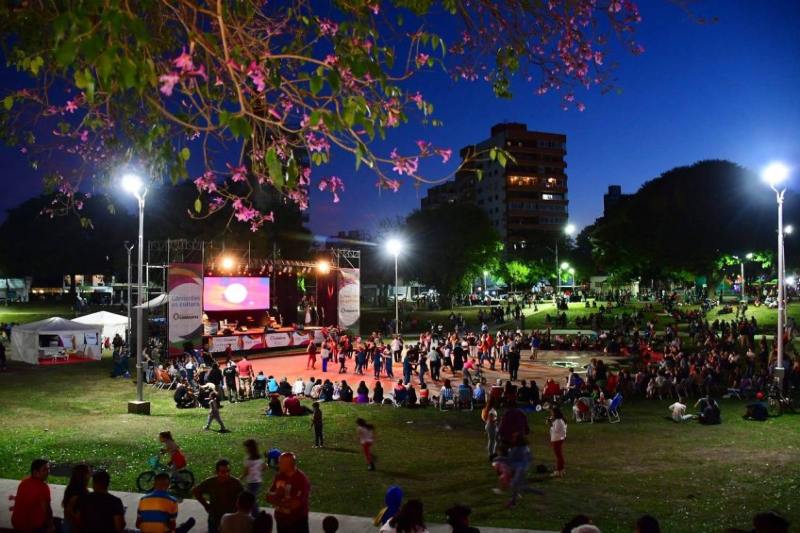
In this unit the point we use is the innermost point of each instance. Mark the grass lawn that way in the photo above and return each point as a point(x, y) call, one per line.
point(33, 311)
point(693, 478)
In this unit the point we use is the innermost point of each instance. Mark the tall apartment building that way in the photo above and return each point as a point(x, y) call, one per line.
point(525, 199)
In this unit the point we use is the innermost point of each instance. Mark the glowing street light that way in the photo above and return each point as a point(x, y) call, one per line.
point(788, 229)
point(394, 246)
point(775, 174)
point(569, 229)
point(323, 266)
point(228, 262)
point(133, 184)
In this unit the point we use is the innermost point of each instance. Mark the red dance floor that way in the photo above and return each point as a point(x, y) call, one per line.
point(73, 359)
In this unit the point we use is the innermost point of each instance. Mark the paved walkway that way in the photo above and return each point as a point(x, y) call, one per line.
point(190, 508)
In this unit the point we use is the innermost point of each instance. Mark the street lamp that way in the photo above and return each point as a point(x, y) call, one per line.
point(394, 247)
point(129, 247)
point(485, 286)
point(748, 256)
point(569, 230)
point(572, 275)
point(775, 174)
point(133, 184)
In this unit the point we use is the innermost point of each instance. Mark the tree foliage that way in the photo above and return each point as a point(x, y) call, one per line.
point(254, 95)
point(682, 222)
point(449, 247)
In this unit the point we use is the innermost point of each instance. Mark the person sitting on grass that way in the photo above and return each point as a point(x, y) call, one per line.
point(284, 387)
point(362, 393)
point(345, 392)
point(326, 394)
point(757, 410)
point(679, 412)
point(184, 396)
point(400, 393)
point(377, 393)
point(272, 385)
point(709, 411)
point(446, 394)
point(274, 408)
point(424, 395)
point(299, 387)
point(293, 407)
point(411, 398)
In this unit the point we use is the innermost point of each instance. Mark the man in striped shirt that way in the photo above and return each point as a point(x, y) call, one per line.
point(158, 510)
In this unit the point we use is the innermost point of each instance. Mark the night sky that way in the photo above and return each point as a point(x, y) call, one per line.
point(726, 90)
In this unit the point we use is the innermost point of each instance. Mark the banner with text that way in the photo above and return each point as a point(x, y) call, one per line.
point(349, 298)
point(185, 316)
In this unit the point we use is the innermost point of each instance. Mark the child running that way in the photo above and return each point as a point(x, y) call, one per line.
point(366, 436)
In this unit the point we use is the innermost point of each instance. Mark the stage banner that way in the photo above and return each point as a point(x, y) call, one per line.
point(349, 298)
point(253, 342)
point(220, 344)
point(185, 286)
point(278, 340)
point(301, 338)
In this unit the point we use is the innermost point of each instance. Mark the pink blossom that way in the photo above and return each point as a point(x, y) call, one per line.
point(256, 75)
point(615, 6)
point(239, 173)
point(424, 147)
point(23, 150)
point(394, 185)
point(404, 165)
point(200, 72)
point(206, 182)
point(71, 106)
point(418, 99)
point(446, 153)
point(331, 59)
point(422, 59)
point(317, 143)
point(168, 82)
point(581, 107)
point(84, 136)
point(374, 7)
point(328, 27)
point(184, 61)
point(598, 58)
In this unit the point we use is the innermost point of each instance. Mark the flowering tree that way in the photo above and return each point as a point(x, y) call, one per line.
point(266, 93)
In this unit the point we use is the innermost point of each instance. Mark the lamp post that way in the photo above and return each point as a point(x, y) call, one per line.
point(569, 230)
point(129, 248)
point(394, 246)
point(134, 185)
point(485, 286)
point(741, 265)
point(572, 275)
point(775, 174)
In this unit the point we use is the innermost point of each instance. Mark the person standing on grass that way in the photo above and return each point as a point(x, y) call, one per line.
point(558, 434)
point(289, 496)
point(312, 356)
point(213, 413)
point(366, 437)
point(491, 431)
point(99, 511)
point(222, 490)
point(253, 467)
point(316, 423)
point(32, 511)
point(230, 373)
point(387, 361)
point(397, 348)
point(246, 376)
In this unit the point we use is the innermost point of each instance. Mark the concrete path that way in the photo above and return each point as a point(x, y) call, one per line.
point(190, 508)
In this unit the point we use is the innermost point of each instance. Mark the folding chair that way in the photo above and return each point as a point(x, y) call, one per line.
point(612, 411)
point(446, 399)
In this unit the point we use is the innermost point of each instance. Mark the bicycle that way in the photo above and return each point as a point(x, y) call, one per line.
point(181, 482)
point(777, 402)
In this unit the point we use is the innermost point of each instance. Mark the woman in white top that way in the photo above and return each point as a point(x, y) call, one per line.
point(253, 468)
point(558, 434)
point(366, 436)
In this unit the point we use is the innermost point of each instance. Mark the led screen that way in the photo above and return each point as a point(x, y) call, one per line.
point(235, 294)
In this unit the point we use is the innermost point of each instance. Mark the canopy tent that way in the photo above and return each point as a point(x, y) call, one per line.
point(158, 301)
point(110, 323)
point(31, 340)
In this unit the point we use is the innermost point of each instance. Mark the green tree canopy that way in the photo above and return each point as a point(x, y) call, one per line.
point(450, 246)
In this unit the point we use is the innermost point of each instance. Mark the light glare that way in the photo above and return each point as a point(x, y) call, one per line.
point(775, 173)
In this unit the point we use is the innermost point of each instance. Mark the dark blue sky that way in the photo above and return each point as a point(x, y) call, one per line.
point(727, 90)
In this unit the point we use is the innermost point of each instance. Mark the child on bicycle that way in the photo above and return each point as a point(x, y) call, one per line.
point(177, 461)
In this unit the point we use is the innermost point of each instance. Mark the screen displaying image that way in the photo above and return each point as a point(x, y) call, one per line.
point(235, 294)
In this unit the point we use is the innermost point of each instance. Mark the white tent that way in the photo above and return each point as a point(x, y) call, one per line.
point(110, 323)
point(27, 340)
point(158, 301)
